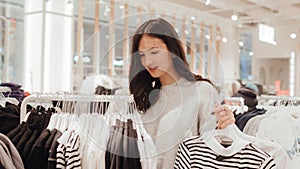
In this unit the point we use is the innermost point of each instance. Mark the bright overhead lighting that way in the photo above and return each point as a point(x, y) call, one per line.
point(293, 36)
point(207, 2)
point(251, 53)
point(234, 17)
point(224, 39)
point(207, 36)
point(241, 44)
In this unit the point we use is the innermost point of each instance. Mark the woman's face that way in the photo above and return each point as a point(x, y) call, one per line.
point(155, 56)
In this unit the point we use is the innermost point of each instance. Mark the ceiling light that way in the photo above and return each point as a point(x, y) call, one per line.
point(241, 44)
point(293, 36)
point(70, 4)
point(234, 17)
point(224, 39)
point(207, 2)
point(251, 53)
point(207, 36)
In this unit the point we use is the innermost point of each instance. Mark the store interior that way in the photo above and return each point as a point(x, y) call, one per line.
point(65, 74)
point(260, 45)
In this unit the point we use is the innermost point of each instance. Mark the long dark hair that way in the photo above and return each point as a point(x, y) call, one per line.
point(142, 84)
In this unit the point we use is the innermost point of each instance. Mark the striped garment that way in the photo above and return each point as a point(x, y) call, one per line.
point(194, 153)
point(68, 156)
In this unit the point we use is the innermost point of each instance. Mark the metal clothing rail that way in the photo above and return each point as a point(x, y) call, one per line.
point(271, 97)
point(73, 97)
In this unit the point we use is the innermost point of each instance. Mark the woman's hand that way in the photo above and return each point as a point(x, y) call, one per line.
point(224, 115)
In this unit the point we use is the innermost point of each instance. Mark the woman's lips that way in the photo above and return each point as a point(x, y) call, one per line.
point(152, 69)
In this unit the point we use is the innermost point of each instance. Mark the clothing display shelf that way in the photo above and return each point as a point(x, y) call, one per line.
point(73, 97)
point(279, 100)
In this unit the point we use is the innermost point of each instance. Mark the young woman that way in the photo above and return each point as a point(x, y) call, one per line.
point(175, 103)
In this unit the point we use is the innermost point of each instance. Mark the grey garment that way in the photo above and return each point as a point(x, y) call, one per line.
point(9, 154)
point(252, 125)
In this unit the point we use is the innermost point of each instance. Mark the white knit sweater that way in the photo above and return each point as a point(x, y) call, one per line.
point(182, 110)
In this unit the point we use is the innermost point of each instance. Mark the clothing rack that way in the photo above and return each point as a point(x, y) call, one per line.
point(73, 97)
point(264, 98)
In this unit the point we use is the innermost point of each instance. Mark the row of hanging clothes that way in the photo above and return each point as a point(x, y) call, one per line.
point(82, 131)
point(276, 119)
point(230, 148)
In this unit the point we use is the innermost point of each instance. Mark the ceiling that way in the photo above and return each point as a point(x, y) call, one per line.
point(250, 12)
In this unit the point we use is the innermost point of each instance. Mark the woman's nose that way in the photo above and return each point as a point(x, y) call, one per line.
point(148, 61)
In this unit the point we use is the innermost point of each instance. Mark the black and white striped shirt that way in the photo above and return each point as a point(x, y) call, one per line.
point(194, 153)
point(68, 156)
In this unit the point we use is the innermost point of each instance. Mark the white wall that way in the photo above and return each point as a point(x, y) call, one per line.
point(275, 69)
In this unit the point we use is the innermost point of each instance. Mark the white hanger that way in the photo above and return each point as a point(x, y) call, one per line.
point(213, 139)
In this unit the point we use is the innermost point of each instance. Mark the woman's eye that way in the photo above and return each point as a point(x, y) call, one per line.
point(154, 52)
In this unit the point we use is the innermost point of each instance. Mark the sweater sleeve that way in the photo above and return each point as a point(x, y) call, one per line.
point(182, 160)
point(208, 96)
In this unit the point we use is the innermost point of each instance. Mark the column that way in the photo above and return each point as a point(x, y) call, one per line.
point(48, 45)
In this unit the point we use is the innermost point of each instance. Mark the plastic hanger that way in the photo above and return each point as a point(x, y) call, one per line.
point(213, 139)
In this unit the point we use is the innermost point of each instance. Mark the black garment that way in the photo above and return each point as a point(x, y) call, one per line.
point(242, 119)
point(122, 149)
point(52, 151)
point(9, 118)
point(38, 152)
point(29, 144)
point(24, 138)
point(15, 131)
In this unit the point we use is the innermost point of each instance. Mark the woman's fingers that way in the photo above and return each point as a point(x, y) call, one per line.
point(224, 115)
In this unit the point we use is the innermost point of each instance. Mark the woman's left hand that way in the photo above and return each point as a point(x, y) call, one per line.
point(224, 115)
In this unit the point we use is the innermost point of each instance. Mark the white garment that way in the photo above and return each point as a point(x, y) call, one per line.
point(280, 128)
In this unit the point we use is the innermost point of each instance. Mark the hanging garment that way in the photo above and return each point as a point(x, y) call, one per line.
point(68, 152)
point(194, 153)
point(122, 149)
point(52, 151)
point(9, 118)
point(10, 157)
point(242, 119)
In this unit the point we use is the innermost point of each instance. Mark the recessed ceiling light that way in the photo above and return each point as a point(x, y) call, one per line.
point(234, 17)
point(241, 43)
point(224, 39)
point(293, 35)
